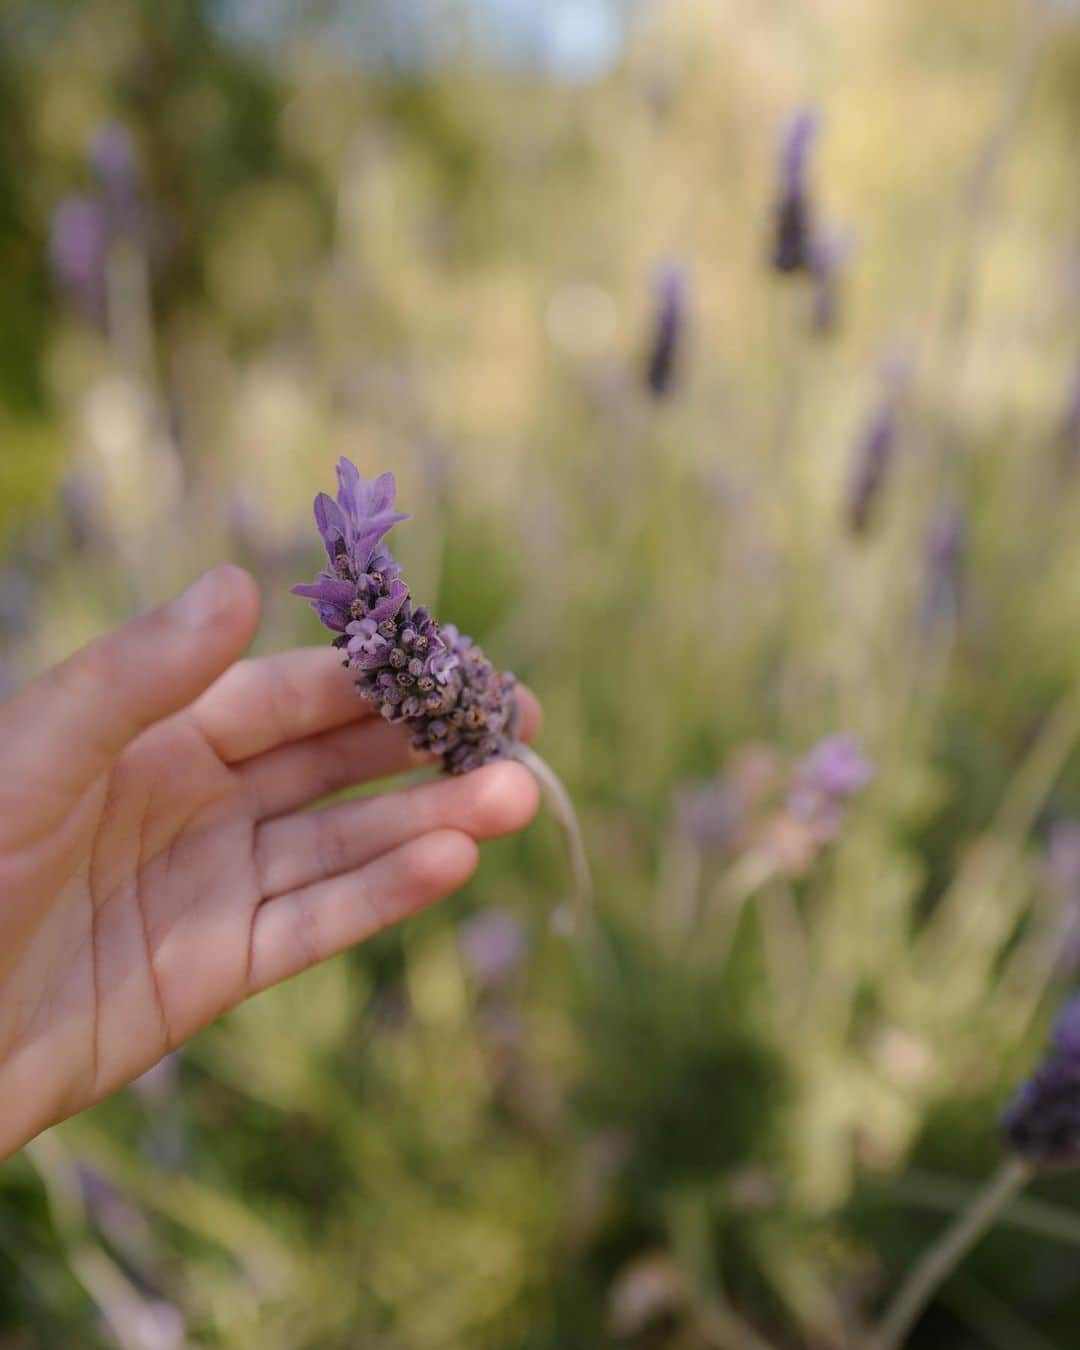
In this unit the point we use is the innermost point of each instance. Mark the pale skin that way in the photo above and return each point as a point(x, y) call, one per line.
point(158, 860)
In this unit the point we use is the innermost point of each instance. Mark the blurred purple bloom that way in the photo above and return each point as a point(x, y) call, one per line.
point(943, 582)
point(81, 505)
point(492, 945)
point(834, 770)
point(436, 680)
point(870, 469)
point(1070, 423)
point(711, 815)
point(837, 767)
point(1042, 1122)
point(78, 248)
point(671, 309)
point(793, 245)
point(114, 163)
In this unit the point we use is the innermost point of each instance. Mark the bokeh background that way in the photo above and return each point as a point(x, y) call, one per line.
point(522, 254)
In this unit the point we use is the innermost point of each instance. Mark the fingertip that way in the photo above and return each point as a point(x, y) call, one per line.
point(444, 860)
point(237, 593)
point(506, 798)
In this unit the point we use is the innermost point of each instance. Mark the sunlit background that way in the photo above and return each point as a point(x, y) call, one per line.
point(791, 554)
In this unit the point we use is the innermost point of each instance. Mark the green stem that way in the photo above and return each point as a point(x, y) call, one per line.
point(562, 808)
point(941, 1259)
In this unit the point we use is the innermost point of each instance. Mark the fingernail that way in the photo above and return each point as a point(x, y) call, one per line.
point(198, 605)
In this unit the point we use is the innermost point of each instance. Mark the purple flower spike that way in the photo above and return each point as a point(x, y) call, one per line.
point(671, 307)
point(438, 681)
point(837, 767)
point(1042, 1122)
point(1070, 423)
point(793, 250)
point(834, 770)
point(943, 585)
point(493, 946)
point(78, 247)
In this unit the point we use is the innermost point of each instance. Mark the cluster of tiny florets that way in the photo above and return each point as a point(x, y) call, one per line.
point(1042, 1122)
point(435, 679)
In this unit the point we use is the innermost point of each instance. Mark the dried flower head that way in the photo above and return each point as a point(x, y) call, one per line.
point(434, 679)
point(1042, 1123)
point(793, 247)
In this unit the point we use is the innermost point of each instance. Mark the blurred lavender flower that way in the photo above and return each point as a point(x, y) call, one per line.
point(1042, 1123)
point(715, 816)
point(84, 227)
point(793, 247)
point(492, 945)
point(875, 445)
point(78, 247)
point(435, 679)
point(1069, 434)
point(670, 324)
point(834, 770)
point(943, 581)
point(830, 254)
point(113, 161)
point(872, 460)
point(710, 815)
point(82, 509)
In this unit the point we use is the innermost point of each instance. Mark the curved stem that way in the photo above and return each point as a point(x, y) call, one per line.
point(942, 1258)
point(562, 808)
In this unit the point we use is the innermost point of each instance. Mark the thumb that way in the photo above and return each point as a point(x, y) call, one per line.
point(68, 726)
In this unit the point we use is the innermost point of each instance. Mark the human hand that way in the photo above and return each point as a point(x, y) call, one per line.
point(157, 865)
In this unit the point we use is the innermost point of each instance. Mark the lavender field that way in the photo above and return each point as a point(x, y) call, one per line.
point(727, 358)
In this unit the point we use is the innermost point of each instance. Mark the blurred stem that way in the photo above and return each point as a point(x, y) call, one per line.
point(787, 955)
point(130, 320)
point(561, 807)
point(728, 900)
point(941, 1259)
point(118, 1300)
point(1027, 55)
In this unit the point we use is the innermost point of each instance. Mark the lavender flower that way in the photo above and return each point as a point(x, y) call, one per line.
point(711, 815)
point(1070, 423)
point(876, 443)
point(872, 461)
point(793, 247)
point(1042, 1123)
point(943, 583)
point(834, 770)
point(671, 307)
point(434, 679)
point(78, 247)
point(492, 945)
point(114, 163)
